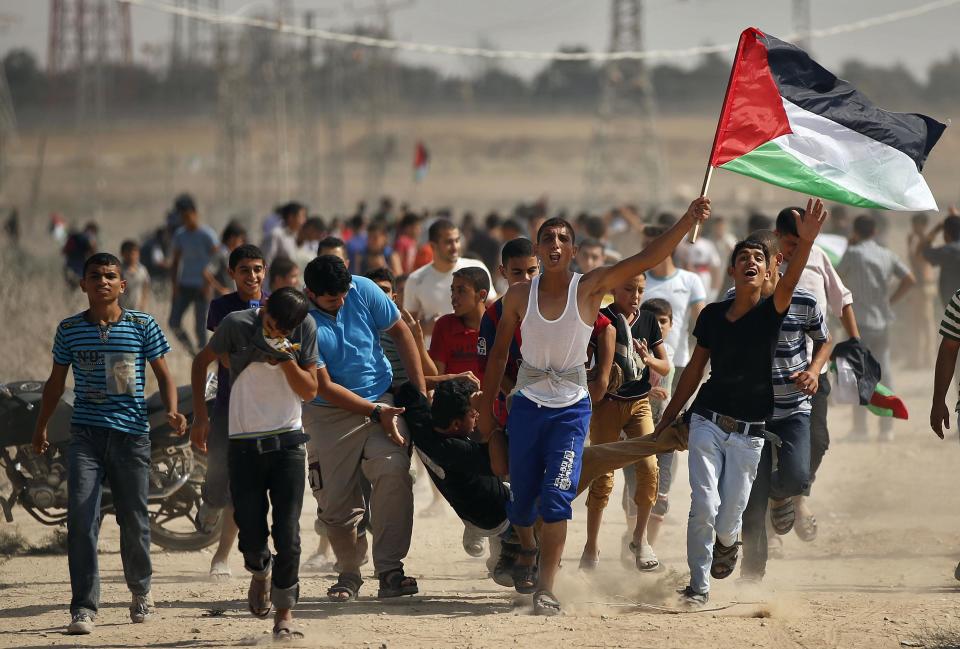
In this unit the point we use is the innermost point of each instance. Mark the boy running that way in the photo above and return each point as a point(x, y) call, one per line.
point(246, 268)
point(639, 348)
point(109, 437)
point(272, 353)
point(550, 412)
point(738, 338)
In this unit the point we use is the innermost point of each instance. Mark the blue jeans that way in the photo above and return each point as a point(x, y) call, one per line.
point(790, 478)
point(123, 460)
point(186, 296)
point(722, 469)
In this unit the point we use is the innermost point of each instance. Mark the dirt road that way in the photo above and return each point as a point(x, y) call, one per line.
point(880, 575)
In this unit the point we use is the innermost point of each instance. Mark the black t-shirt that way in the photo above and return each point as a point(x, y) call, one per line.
point(645, 327)
point(741, 359)
point(460, 467)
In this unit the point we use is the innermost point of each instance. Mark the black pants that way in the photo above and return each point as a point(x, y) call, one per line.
point(258, 481)
point(819, 434)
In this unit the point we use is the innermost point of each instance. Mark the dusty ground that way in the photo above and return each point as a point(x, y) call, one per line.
point(880, 575)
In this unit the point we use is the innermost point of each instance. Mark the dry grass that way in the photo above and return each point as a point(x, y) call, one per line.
point(12, 542)
point(53, 543)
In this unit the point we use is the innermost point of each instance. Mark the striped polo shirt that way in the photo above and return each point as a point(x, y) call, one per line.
point(109, 375)
point(804, 318)
point(950, 325)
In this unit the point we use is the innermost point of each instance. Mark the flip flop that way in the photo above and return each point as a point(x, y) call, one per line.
point(545, 603)
point(220, 570)
point(644, 557)
point(347, 583)
point(806, 528)
point(258, 596)
point(783, 516)
point(284, 631)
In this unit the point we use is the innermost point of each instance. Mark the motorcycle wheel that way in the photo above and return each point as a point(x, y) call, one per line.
point(173, 523)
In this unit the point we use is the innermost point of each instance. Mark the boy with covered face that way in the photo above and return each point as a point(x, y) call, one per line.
point(737, 337)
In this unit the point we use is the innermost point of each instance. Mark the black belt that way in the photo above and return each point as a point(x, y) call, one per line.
point(272, 443)
point(730, 424)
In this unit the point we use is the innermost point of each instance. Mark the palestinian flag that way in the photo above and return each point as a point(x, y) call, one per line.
point(789, 122)
point(884, 403)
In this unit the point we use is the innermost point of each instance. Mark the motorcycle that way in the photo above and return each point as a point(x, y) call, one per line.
point(39, 482)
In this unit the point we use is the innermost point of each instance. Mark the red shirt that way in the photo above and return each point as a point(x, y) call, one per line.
point(455, 345)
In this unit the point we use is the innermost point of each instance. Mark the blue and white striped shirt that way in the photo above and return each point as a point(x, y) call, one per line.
point(804, 318)
point(109, 376)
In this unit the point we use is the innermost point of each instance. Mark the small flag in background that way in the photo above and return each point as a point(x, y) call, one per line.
point(788, 121)
point(421, 162)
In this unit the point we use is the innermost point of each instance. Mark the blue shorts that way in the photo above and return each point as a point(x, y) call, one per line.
point(546, 451)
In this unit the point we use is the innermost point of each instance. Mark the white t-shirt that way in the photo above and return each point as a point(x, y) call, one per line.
point(261, 401)
point(428, 291)
point(681, 289)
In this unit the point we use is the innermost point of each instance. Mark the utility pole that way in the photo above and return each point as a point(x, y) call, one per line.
point(308, 177)
point(8, 117)
point(334, 56)
point(802, 23)
point(624, 156)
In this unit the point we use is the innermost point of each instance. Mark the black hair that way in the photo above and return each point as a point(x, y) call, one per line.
point(658, 307)
point(476, 277)
point(516, 248)
point(129, 246)
point(327, 275)
point(184, 203)
point(557, 222)
point(769, 239)
point(666, 219)
point(290, 209)
point(232, 229)
point(951, 227)
point(246, 251)
point(511, 224)
point(758, 221)
point(280, 267)
point(288, 307)
point(316, 223)
point(787, 222)
point(377, 225)
point(590, 242)
point(451, 401)
point(438, 227)
point(653, 231)
point(383, 275)
point(492, 221)
point(596, 227)
point(749, 244)
point(100, 259)
point(330, 242)
point(865, 226)
point(409, 220)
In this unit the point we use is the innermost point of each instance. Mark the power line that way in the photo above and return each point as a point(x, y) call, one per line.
point(452, 50)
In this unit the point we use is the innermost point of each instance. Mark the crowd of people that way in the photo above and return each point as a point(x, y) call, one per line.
point(493, 354)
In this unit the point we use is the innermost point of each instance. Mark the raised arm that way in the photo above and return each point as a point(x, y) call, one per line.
point(515, 296)
point(605, 279)
point(808, 227)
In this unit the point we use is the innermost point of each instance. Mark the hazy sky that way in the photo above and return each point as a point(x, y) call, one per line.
point(546, 24)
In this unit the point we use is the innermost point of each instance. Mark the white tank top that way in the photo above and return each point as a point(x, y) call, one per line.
point(557, 345)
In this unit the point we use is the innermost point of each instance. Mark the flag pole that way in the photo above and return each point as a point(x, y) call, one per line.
point(695, 233)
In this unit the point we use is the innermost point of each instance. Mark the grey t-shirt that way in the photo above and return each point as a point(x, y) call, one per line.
point(138, 279)
point(240, 336)
point(196, 249)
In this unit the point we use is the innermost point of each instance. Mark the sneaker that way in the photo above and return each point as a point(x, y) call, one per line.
point(81, 624)
point(689, 598)
point(141, 609)
point(472, 541)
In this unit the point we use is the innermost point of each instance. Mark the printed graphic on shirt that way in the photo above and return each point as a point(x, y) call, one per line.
point(121, 373)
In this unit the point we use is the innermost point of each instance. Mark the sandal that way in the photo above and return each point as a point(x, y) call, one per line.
point(258, 596)
point(724, 559)
point(645, 559)
point(546, 603)
point(394, 583)
point(347, 584)
point(783, 516)
point(525, 578)
point(220, 570)
point(284, 631)
point(806, 527)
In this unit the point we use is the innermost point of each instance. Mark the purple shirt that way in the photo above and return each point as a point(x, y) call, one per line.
point(219, 309)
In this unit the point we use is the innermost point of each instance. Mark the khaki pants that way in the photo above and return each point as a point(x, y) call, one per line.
point(635, 419)
point(342, 445)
